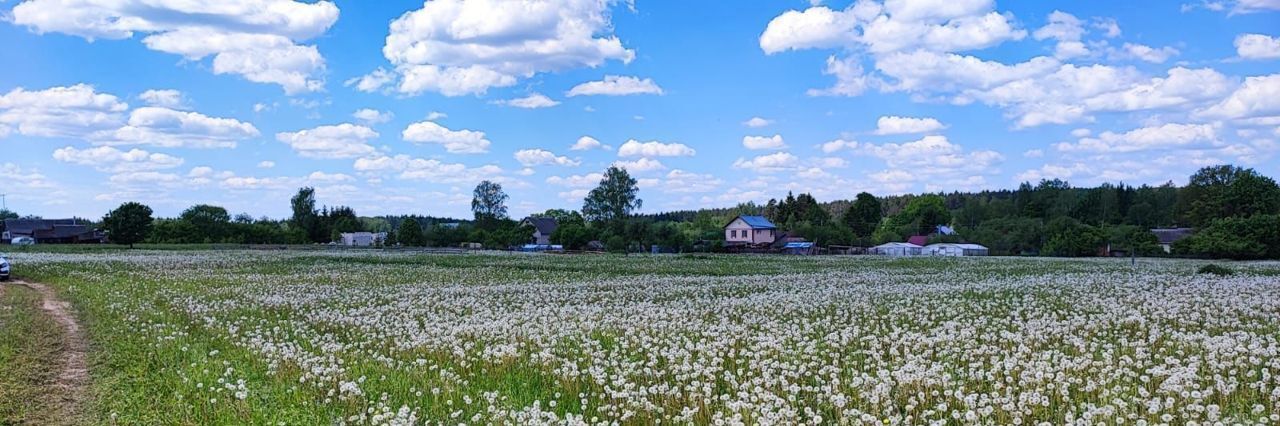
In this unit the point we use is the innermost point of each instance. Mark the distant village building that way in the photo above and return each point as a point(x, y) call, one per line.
point(1167, 236)
point(749, 230)
point(954, 249)
point(805, 248)
point(363, 239)
point(896, 249)
point(52, 231)
point(543, 227)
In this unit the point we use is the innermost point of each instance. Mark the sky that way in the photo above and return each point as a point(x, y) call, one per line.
point(402, 107)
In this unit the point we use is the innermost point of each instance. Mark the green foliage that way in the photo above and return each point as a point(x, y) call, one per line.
point(572, 235)
point(1226, 191)
point(614, 199)
point(128, 224)
point(210, 223)
point(863, 216)
point(489, 204)
point(305, 216)
point(410, 234)
point(1255, 237)
point(1133, 238)
point(1213, 269)
point(1068, 237)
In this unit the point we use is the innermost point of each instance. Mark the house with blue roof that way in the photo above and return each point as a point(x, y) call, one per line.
point(749, 230)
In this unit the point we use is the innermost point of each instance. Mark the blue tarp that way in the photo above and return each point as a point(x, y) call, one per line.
point(798, 245)
point(541, 247)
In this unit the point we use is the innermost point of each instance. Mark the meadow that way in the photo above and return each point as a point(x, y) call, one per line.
point(368, 338)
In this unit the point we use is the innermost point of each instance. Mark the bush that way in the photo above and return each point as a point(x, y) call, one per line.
point(1218, 270)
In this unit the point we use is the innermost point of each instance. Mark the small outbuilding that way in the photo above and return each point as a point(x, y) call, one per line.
point(896, 249)
point(805, 248)
point(954, 249)
point(363, 239)
point(1167, 236)
point(749, 230)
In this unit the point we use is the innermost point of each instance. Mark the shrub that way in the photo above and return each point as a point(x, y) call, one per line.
point(1218, 270)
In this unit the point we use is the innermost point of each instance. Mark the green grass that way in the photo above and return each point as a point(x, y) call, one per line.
point(30, 342)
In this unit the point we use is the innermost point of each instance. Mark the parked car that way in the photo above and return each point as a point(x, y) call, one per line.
point(23, 241)
point(4, 268)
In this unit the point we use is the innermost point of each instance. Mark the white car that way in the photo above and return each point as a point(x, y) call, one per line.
point(4, 268)
point(23, 241)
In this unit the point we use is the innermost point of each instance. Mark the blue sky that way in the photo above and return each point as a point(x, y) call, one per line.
point(398, 107)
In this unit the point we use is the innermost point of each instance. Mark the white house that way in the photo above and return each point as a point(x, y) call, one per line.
point(750, 230)
point(954, 249)
point(896, 249)
point(363, 239)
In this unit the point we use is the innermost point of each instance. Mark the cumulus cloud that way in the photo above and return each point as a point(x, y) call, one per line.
point(373, 116)
point(850, 78)
point(1258, 96)
point(456, 47)
point(1257, 46)
point(768, 163)
point(895, 125)
point(614, 85)
point(894, 26)
point(167, 98)
point(1148, 53)
point(1165, 136)
point(577, 181)
point(634, 148)
point(429, 170)
point(344, 140)
point(838, 144)
point(256, 39)
point(454, 141)
point(640, 165)
point(933, 158)
point(539, 157)
point(536, 100)
point(73, 111)
point(266, 164)
point(1067, 30)
point(763, 142)
point(109, 159)
point(172, 128)
point(586, 143)
point(757, 122)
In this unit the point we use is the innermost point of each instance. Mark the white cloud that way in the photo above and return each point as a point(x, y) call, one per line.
point(266, 164)
point(895, 125)
point(768, 163)
point(454, 141)
point(109, 159)
point(895, 26)
point(634, 148)
point(167, 98)
point(373, 116)
point(641, 165)
point(1257, 46)
point(1148, 53)
point(850, 79)
point(344, 140)
point(1033, 153)
point(679, 181)
point(1067, 30)
point(1234, 6)
point(1258, 96)
point(73, 111)
point(538, 157)
point(536, 100)
point(257, 39)
point(171, 128)
point(1146, 138)
point(838, 144)
point(372, 81)
point(614, 85)
point(763, 142)
point(815, 28)
point(934, 157)
point(757, 122)
point(436, 115)
point(429, 170)
point(588, 143)
point(577, 181)
point(1108, 26)
point(458, 47)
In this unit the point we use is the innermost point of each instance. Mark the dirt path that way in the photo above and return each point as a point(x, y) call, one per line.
point(72, 382)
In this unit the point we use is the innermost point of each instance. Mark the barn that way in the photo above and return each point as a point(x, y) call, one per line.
point(896, 249)
point(954, 249)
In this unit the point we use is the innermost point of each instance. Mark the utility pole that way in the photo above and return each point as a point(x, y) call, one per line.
point(4, 205)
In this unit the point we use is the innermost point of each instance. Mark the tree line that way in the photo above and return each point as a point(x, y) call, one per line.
point(1235, 211)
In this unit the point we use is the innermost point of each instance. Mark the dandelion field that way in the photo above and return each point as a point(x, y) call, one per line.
point(369, 338)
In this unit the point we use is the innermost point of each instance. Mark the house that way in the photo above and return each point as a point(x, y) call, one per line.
point(53, 231)
point(896, 249)
point(920, 240)
point(954, 249)
point(363, 239)
point(543, 227)
point(1167, 236)
point(749, 230)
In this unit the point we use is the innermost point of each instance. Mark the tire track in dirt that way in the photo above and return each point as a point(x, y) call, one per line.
point(72, 382)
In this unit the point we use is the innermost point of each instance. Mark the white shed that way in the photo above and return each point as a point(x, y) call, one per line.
point(954, 249)
point(896, 249)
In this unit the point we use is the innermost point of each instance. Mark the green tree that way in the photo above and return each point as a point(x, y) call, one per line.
point(128, 224)
point(410, 233)
point(1227, 191)
point(489, 204)
point(305, 218)
point(863, 216)
point(210, 222)
point(1068, 237)
point(614, 199)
